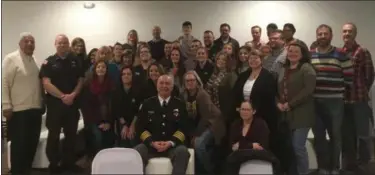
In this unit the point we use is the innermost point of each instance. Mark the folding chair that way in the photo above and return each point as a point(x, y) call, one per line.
point(256, 167)
point(117, 161)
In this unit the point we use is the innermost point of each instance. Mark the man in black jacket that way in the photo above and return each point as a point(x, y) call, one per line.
point(224, 39)
point(162, 126)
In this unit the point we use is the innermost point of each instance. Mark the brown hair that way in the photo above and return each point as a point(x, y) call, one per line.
point(79, 40)
point(227, 58)
point(107, 51)
point(256, 52)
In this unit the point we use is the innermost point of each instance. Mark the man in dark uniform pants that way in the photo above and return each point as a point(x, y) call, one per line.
point(161, 127)
point(62, 78)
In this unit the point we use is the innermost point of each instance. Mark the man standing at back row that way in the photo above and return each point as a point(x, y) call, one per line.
point(224, 39)
point(162, 127)
point(356, 127)
point(62, 78)
point(22, 104)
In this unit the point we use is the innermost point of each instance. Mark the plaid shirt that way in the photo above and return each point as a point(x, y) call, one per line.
point(363, 73)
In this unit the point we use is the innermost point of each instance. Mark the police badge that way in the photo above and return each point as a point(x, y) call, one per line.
point(175, 112)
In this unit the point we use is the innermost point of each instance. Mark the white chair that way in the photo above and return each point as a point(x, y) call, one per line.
point(163, 165)
point(256, 167)
point(117, 161)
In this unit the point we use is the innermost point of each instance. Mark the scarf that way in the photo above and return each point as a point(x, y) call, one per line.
point(98, 88)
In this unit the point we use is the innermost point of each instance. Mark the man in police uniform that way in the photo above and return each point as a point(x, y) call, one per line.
point(162, 127)
point(62, 78)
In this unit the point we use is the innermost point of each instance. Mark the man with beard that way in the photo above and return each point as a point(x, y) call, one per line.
point(334, 78)
point(225, 38)
point(276, 60)
point(356, 128)
point(208, 39)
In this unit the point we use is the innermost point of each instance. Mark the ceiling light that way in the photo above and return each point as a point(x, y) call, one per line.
point(89, 5)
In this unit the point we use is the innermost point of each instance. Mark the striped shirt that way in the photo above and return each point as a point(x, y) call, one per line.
point(334, 73)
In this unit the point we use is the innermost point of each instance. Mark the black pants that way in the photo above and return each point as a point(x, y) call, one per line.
point(179, 157)
point(24, 132)
point(66, 117)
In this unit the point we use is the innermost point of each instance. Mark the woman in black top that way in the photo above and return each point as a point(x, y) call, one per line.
point(177, 69)
point(243, 58)
point(149, 89)
point(204, 66)
point(248, 139)
point(79, 49)
point(126, 104)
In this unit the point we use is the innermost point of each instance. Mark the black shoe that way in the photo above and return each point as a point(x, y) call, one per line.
point(73, 168)
point(54, 169)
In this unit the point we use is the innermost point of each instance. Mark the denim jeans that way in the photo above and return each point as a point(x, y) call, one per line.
point(356, 133)
point(299, 137)
point(100, 139)
point(329, 115)
point(203, 149)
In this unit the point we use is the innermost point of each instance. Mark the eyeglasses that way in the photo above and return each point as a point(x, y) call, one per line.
point(190, 80)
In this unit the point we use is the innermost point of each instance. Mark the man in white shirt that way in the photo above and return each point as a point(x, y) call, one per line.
point(22, 104)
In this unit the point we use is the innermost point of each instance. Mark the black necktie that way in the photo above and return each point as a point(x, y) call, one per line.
point(164, 104)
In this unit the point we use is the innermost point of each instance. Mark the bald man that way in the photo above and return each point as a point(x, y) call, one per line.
point(22, 104)
point(157, 44)
point(62, 78)
point(162, 127)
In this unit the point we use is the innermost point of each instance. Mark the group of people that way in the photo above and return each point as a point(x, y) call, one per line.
point(230, 103)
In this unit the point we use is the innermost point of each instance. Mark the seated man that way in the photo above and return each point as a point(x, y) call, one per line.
point(161, 125)
point(206, 122)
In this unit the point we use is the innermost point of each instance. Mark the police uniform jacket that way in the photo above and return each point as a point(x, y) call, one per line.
point(158, 123)
point(64, 73)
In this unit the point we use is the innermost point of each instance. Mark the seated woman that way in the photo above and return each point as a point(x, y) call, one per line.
point(248, 140)
point(205, 120)
point(126, 105)
point(154, 71)
point(96, 108)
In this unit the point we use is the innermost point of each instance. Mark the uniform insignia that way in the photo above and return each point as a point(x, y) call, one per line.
point(150, 112)
point(140, 107)
point(133, 100)
point(175, 112)
point(137, 73)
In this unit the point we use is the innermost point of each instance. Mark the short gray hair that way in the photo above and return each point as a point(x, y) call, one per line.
point(169, 76)
point(25, 34)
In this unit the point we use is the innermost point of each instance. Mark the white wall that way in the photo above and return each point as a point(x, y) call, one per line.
point(109, 22)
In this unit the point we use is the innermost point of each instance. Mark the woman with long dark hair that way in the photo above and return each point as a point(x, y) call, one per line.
point(243, 59)
point(97, 94)
point(177, 69)
point(79, 49)
point(126, 105)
